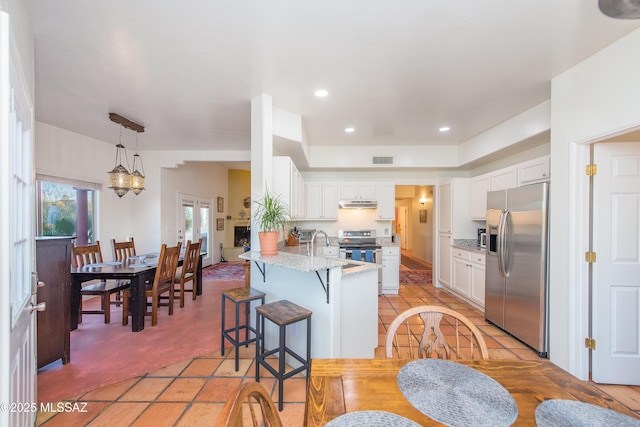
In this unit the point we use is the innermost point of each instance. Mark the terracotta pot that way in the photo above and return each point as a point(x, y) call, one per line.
point(268, 242)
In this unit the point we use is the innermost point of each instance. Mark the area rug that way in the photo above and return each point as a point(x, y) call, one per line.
point(413, 263)
point(415, 277)
point(224, 271)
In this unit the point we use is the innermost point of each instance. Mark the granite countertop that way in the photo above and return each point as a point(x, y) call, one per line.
point(386, 241)
point(295, 258)
point(468, 244)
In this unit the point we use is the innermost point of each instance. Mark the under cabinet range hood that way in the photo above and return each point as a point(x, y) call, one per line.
point(358, 204)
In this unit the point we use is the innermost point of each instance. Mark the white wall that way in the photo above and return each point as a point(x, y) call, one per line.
point(202, 179)
point(600, 96)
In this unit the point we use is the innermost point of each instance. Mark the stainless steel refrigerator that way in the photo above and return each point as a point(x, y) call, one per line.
point(517, 258)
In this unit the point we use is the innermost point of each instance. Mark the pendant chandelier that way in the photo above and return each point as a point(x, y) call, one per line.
point(120, 179)
point(137, 178)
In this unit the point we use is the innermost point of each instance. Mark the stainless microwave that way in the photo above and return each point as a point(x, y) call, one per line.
point(483, 240)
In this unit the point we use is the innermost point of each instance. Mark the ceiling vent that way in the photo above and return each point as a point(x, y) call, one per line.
point(388, 160)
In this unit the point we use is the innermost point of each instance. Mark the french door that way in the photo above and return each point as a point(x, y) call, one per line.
point(17, 220)
point(194, 222)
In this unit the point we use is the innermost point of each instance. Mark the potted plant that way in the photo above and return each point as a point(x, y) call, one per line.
point(271, 215)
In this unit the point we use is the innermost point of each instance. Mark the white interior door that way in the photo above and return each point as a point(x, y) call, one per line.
point(194, 222)
point(17, 286)
point(616, 272)
point(402, 225)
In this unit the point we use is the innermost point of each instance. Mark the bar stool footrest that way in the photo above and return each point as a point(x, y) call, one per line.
point(232, 340)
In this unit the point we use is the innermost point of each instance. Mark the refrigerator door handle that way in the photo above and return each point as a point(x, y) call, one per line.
point(499, 244)
point(504, 243)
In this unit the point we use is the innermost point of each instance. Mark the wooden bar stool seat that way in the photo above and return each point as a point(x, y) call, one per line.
point(282, 313)
point(239, 296)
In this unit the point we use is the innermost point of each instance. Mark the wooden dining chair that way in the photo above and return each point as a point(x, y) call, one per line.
point(92, 254)
point(188, 271)
point(431, 331)
point(252, 396)
point(123, 250)
point(162, 283)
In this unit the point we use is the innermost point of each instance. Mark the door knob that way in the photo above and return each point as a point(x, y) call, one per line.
point(42, 306)
point(40, 284)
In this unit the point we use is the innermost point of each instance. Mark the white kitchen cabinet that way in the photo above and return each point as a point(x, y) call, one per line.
point(330, 251)
point(454, 222)
point(453, 202)
point(386, 202)
point(461, 275)
point(480, 186)
point(390, 269)
point(445, 208)
point(289, 184)
point(444, 259)
point(321, 201)
point(504, 178)
point(359, 190)
point(477, 282)
point(536, 170)
point(468, 275)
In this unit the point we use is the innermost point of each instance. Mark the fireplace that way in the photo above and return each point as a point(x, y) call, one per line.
point(241, 236)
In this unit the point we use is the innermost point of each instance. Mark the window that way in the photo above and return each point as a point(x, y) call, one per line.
point(66, 210)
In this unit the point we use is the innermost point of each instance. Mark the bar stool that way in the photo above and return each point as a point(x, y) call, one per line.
point(239, 296)
point(282, 313)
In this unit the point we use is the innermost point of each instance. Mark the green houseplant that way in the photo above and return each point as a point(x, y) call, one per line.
point(271, 215)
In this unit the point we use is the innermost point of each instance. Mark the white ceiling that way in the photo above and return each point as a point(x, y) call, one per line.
point(395, 70)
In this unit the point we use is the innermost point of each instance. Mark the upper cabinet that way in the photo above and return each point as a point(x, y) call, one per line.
point(322, 201)
point(288, 182)
point(504, 178)
point(480, 186)
point(453, 209)
point(532, 171)
point(359, 190)
point(386, 202)
point(536, 170)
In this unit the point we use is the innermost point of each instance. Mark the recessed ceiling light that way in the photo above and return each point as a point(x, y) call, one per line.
point(321, 93)
point(349, 130)
point(444, 129)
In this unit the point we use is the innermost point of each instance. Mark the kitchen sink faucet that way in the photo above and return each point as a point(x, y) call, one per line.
point(313, 239)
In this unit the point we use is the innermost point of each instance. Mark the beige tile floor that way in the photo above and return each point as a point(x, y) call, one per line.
point(193, 392)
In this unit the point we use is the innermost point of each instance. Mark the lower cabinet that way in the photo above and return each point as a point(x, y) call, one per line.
point(53, 260)
point(330, 251)
point(468, 275)
point(390, 269)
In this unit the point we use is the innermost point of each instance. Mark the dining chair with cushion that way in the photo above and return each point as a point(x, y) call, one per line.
point(431, 331)
point(123, 250)
point(92, 254)
point(252, 396)
point(188, 271)
point(162, 283)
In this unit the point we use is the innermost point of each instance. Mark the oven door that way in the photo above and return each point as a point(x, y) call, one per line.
point(346, 253)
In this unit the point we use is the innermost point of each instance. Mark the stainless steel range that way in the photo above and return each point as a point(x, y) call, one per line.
point(358, 240)
point(360, 245)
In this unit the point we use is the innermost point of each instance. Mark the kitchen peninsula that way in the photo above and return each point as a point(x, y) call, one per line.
point(342, 294)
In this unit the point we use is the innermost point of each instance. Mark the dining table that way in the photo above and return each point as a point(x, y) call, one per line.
point(342, 386)
point(132, 270)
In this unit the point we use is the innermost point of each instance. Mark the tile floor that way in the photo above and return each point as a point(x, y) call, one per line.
point(192, 392)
